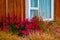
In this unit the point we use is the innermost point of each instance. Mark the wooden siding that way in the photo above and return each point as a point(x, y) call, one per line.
point(57, 10)
point(18, 7)
point(2, 7)
point(13, 6)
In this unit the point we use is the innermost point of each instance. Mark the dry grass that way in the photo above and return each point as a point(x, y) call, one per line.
point(8, 36)
point(44, 36)
point(33, 36)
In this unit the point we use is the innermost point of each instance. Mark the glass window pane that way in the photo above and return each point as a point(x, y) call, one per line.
point(33, 13)
point(34, 3)
point(45, 8)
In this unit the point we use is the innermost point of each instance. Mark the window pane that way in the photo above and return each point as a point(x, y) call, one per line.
point(34, 3)
point(33, 13)
point(45, 8)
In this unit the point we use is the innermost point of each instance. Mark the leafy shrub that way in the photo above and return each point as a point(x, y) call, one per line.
point(35, 29)
point(21, 27)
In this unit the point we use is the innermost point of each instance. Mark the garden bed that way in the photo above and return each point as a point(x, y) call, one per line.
point(34, 29)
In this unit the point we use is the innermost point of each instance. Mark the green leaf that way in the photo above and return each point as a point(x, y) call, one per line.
point(13, 28)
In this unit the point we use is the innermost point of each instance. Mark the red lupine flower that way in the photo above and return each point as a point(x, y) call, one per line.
point(28, 30)
point(26, 21)
point(10, 21)
point(6, 22)
point(9, 17)
point(15, 16)
point(21, 23)
point(17, 26)
point(39, 31)
point(2, 18)
point(24, 32)
point(34, 19)
point(4, 28)
point(30, 26)
point(16, 22)
point(56, 30)
point(35, 25)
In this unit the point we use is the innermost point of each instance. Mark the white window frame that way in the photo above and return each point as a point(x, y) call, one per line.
point(28, 10)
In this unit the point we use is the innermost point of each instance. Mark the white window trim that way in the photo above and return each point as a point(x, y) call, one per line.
point(28, 10)
point(34, 8)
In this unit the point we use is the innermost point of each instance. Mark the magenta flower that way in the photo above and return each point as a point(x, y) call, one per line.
point(35, 25)
point(6, 22)
point(15, 16)
point(10, 21)
point(24, 27)
point(56, 30)
point(16, 22)
point(39, 31)
point(24, 32)
point(2, 19)
point(26, 21)
point(30, 26)
point(21, 23)
point(9, 17)
point(17, 26)
point(4, 28)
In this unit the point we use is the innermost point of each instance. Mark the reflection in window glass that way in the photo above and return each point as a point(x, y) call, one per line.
point(33, 13)
point(45, 8)
point(34, 3)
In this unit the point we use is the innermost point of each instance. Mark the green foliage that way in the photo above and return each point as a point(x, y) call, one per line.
point(13, 28)
point(22, 27)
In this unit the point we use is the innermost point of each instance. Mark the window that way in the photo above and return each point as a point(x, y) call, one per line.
point(44, 8)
